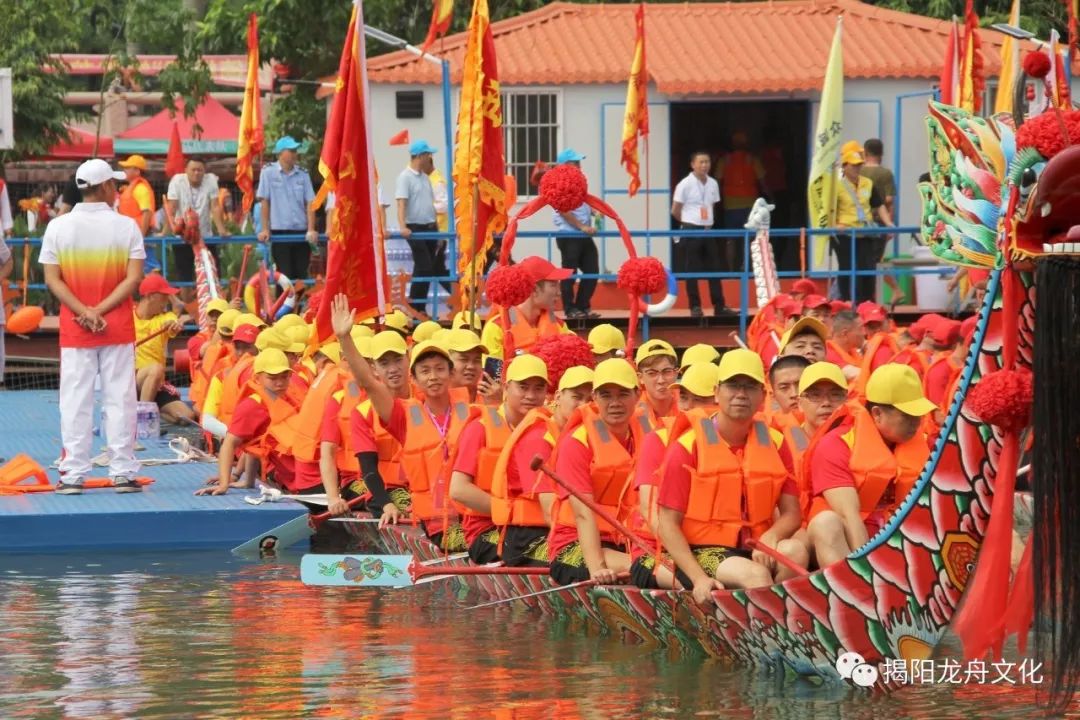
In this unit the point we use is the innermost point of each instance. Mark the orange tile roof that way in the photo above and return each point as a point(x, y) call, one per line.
point(700, 48)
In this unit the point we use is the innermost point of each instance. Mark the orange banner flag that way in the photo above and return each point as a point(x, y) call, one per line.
point(636, 118)
point(174, 158)
point(479, 159)
point(442, 12)
point(356, 264)
point(972, 76)
point(251, 142)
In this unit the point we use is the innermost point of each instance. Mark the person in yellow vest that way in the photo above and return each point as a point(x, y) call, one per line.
point(137, 200)
point(862, 469)
point(152, 315)
point(858, 205)
point(479, 448)
point(607, 341)
point(535, 318)
point(656, 370)
point(728, 478)
point(522, 498)
point(844, 347)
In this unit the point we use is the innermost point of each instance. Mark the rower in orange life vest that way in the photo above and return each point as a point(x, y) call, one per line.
point(656, 362)
point(819, 308)
point(880, 344)
point(607, 341)
point(522, 498)
point(595, 456)
point(259, 427)
point(469, 382)
point(225, 388)
point(535, 318)
point(727, 478)
point(197, 343)
point(215, 356)
point(944, 365)
point(767, 341)
point(782, 400)
point(863, 469)
point(697, 389)
point(844, 348)
point(428, 430)
point(375, 453)
point(822, 390)
point(917, 354)
point(310, 427)
point(479, 448)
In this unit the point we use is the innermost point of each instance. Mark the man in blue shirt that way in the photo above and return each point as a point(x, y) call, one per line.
point(416, 213)
point(285, 193)
point(578, 249)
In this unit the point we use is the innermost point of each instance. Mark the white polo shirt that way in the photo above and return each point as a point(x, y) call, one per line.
point(698, 199)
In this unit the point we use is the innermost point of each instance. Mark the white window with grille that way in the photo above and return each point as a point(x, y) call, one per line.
point(531, 125)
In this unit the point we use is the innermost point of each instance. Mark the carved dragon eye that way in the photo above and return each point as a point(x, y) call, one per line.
point(1027, 182)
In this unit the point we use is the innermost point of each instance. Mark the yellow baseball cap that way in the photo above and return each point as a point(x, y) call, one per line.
point(524, 367)
point(274, 339)
point(424, 348)
point(359, 331)
point(806, 323)
point(386, 342)
point(227, 321)
point(271, 362)
point(290, 320)
point(700, 353)
point(740, 362)
point(852, 157)
point(700, 378)
point(134, 161)
point(441, 336)
point(851, 146)
point(218, 305)
point(654, 348)
point(576, 377)
point(822, 372)
point(466, 319)
point(425, 330)
point(606, 337)
point(332, 350)
point(363, 346)
point(395, 320)
point(898, 385)
point(249, 319)
point(616, 371)
point(298, 337)
point(462, 340)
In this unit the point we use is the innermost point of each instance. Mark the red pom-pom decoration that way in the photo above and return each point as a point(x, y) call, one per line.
point(562, 352)
point(642, 276)
point(1036, 64)
point(509, 285)
point(1003, 398)
point(1044, 133)
point(564, 188)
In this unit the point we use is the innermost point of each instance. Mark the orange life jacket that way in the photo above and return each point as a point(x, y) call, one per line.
point(845, 357)
point(130, 207)
point(278, 438)
point(526, 335)
point(194, 359)
point(219, 356)
point(234, 384)
point(611, 468)
point(740, 180)
point(877, 469)
point(955, 368)
point(306, 425)
point(915, 357)
point(425, 455)
point(866, 366)
point(647, 420)
point(348, 398)
point(521, 510)
point(798, 443)
point(722, 482)
point(496, 433)
point(460, 394)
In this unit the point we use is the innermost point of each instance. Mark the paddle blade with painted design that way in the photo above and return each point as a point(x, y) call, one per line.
point(283, 536)
point(356, 570)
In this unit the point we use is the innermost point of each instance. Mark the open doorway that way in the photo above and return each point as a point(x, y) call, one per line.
point(775, 132)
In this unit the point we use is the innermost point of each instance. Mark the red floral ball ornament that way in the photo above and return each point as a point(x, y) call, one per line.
point(642, 276)
point(1003, 399)
point(564, 188)
point(562, 352)
point(1044, 133)
point(1036, 64)
point(509, 285)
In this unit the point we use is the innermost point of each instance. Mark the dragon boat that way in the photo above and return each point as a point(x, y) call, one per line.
point(1004, 196)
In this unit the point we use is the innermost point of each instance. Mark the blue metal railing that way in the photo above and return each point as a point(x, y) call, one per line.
point(744, 276)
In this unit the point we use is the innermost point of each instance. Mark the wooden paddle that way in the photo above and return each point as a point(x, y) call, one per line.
point(546, 591)
point(287, 534)
point(369, 570)
point(151, 336)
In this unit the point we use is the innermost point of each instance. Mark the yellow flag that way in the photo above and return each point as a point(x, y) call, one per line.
point(1010, 66)
point(821, 193)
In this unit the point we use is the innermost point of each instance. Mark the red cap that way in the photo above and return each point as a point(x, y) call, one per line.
point(839, 306)
point(790, 307)
point(540, 269)
point(967, 327)
point(154, 283)
point(871, 312)
point(245, 334)
point(945, 331)
point(806, 286)
point(814, 301)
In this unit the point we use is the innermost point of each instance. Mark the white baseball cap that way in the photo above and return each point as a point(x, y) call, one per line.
point(95, 172)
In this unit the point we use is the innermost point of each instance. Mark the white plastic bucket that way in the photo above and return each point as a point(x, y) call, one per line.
point(148, 421)
point(930, 288)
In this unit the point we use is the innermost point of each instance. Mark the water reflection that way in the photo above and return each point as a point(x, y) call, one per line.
point(201, 635)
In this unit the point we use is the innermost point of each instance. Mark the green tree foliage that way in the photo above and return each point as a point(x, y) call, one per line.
point(1037, 16)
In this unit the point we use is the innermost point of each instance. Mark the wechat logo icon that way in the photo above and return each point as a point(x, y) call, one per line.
point(852, 666)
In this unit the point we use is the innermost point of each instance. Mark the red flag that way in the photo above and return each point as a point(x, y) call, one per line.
point(174, 160)
point(636, 117)
point(402, 138)
point(442, 12)
point(972, 77)
point(951, 67)
point(356, 264)
point(252, 142)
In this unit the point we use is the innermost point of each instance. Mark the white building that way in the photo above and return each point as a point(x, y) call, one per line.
point(713, 67)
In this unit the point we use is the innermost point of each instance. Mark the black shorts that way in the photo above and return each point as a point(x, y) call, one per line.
point(485, 548)
point(569, 567)
point(183, 264)
point(708, 556)
point(525, 546)
point(451, 540)
point(167, 394)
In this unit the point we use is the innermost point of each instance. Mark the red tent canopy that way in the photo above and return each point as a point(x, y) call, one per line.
point(215, 119)
point(80, 147)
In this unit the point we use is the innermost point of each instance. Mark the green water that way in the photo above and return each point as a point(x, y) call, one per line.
point(204, 635)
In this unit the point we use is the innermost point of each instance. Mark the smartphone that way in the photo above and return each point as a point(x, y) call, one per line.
point(493, 366)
